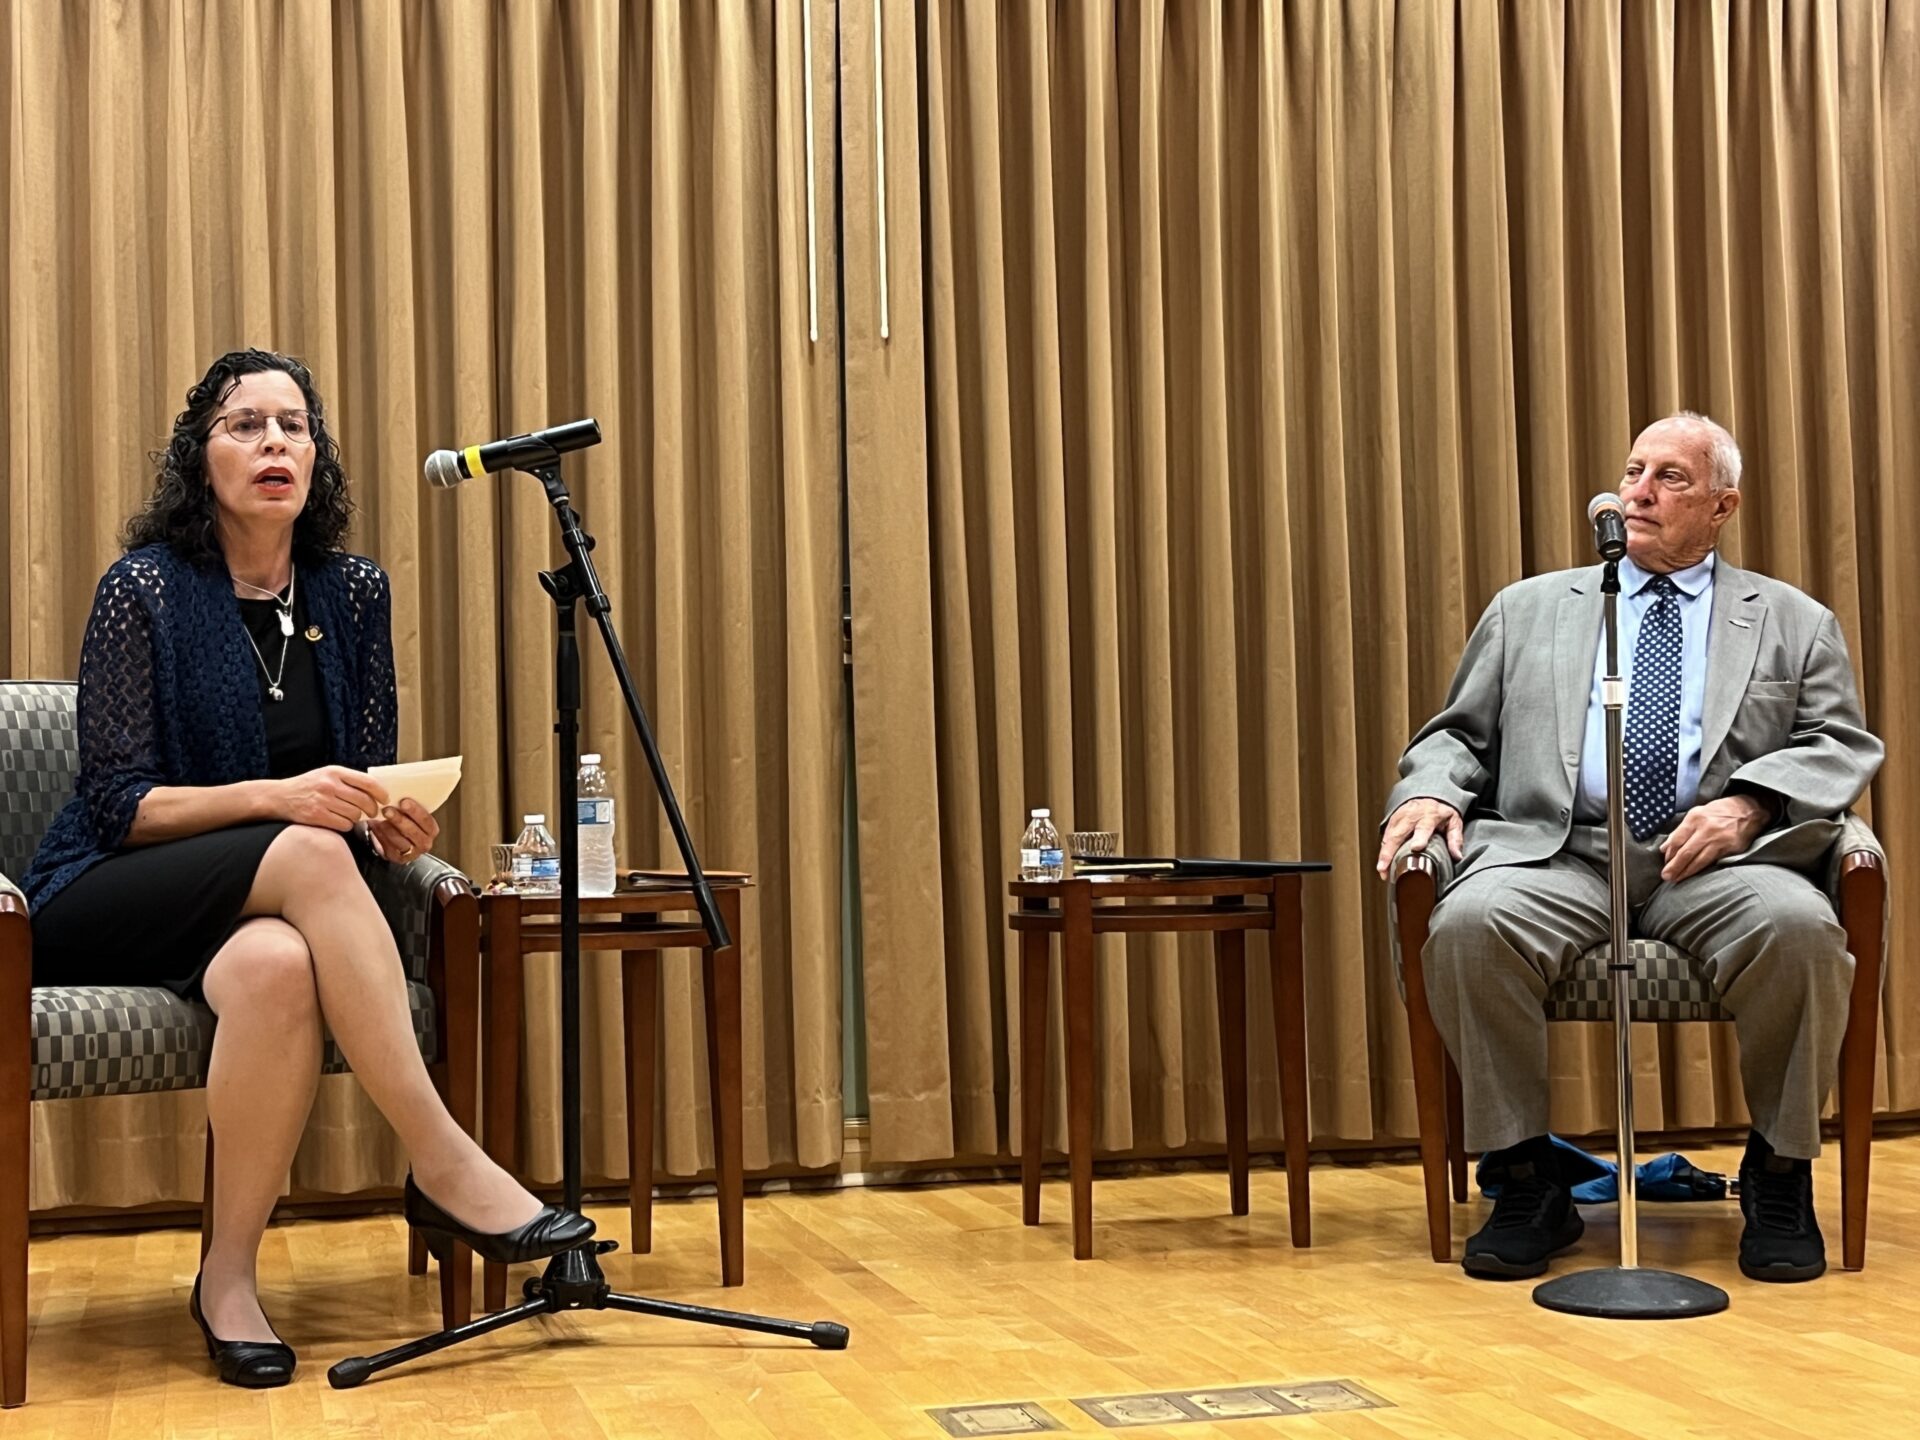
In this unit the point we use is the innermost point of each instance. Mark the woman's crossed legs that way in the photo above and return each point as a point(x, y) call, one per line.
point(316, 946)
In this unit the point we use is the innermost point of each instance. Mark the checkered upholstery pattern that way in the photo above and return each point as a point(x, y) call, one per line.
point(39, 757)
point(1668, 984)
point(102, 1040)
point(108, 1040)
point(405, 895)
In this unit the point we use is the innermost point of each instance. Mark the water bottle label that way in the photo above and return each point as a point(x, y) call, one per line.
point(530, 871)
point(594, 812)
point(1029, 859)
point(1051, 859)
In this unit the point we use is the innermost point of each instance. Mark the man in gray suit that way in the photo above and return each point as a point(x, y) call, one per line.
point(1744, 746)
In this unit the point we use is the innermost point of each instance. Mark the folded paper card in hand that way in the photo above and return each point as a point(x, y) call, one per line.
point(428, 781)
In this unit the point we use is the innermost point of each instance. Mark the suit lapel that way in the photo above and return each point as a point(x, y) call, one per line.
point(1733, 644)
point(1576, 642)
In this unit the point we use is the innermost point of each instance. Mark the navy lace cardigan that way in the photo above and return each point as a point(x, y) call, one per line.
point(170, 693)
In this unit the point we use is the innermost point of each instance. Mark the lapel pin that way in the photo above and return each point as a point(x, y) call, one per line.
point(1743, 624)
point(313, 635)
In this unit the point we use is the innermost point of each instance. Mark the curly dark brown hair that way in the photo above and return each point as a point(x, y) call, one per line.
point(181, 510)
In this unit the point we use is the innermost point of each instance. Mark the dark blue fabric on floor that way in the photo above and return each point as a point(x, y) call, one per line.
point(1596, 1181)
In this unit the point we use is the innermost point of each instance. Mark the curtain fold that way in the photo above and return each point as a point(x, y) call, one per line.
point(1260, 344)
point(472, 220)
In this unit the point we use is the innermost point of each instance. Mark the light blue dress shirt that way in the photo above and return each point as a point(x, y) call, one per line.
point(1696, 610)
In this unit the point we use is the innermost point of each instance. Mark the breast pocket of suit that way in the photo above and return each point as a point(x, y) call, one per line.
point(1764, 720)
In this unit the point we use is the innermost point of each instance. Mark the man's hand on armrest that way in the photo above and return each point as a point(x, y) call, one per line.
point(1420, 820)
point(1710, 832)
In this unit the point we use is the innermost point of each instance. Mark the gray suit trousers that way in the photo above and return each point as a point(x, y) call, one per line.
point(1773, 951)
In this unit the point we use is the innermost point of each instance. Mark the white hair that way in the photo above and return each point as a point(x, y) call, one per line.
point(1723, 454)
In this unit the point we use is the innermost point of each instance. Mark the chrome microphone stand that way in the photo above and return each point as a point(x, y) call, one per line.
point(1624, 1291)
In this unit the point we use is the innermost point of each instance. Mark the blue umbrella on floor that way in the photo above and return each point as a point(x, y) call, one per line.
point(1596, 1181)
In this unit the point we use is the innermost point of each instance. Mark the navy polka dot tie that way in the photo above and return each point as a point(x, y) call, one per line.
point(1653, 712)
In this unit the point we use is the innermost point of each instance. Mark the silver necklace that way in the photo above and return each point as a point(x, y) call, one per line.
point(274, 692)
point(285, 606)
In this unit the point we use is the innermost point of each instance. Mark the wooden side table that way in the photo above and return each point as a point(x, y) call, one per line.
point(639, 924)
point(1079, 909)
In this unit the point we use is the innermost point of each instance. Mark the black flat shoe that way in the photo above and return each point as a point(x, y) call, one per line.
point(547, 1233)
point(250, 1364)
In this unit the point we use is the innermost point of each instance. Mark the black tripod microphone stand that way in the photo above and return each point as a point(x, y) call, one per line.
point(573, 1279)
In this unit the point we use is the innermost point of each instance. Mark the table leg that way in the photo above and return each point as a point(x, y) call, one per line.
point(722, 972)
point(1076, 933)
point(1290, 1040)
point(503, 998)
point(1034, 962)
point(1230, 991)
point(640, 1003)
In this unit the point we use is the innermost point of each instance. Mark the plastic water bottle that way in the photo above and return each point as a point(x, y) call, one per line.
point(595, 822)
point(536, 859)
point(1040, 854)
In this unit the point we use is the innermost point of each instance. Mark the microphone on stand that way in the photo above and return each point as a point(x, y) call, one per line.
point(1609, 519)
point(537, 447)
point(573, 1279)
point(1626, 1291)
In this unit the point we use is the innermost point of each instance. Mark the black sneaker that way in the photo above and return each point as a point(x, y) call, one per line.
point(1534, 1218)
point(1782, 1241)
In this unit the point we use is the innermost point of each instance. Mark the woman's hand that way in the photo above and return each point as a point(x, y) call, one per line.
point(332, 797)
point(403, 832)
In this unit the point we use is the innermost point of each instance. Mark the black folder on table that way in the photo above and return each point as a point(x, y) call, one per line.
point(1194, 867)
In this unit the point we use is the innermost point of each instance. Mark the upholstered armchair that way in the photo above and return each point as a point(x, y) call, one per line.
point(70, 1043)
point(1669, 984)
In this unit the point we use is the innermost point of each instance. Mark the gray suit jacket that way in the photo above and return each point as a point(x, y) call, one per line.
point(1781, 718)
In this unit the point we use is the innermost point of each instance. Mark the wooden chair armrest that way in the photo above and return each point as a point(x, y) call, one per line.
point(1857, 883)
point(1432, 860)
point(1415, 882)
point(16, 962)
point(412, 896)
point(16, 1132)
point(1857, 850)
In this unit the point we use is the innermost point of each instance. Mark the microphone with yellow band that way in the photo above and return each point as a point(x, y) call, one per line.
point(531, 451)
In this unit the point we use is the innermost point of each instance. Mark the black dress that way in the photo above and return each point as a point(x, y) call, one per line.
point(157, 914)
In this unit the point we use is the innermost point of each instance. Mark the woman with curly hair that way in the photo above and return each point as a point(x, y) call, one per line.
point(236, 682)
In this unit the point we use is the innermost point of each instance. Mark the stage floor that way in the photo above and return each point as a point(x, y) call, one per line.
point(953, 1303)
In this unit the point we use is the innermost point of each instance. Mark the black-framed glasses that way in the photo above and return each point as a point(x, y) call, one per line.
point(250, 426)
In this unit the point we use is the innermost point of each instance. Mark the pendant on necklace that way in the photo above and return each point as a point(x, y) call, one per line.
point(274, 692)
point(286, 623)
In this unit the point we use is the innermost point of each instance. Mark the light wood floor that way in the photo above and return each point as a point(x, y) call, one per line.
point(951, 1301)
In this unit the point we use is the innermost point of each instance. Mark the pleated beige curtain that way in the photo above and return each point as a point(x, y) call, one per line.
point(1240, 352)
point(470, 220)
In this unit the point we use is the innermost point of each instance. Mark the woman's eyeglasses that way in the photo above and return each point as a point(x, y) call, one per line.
point(250, 426)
